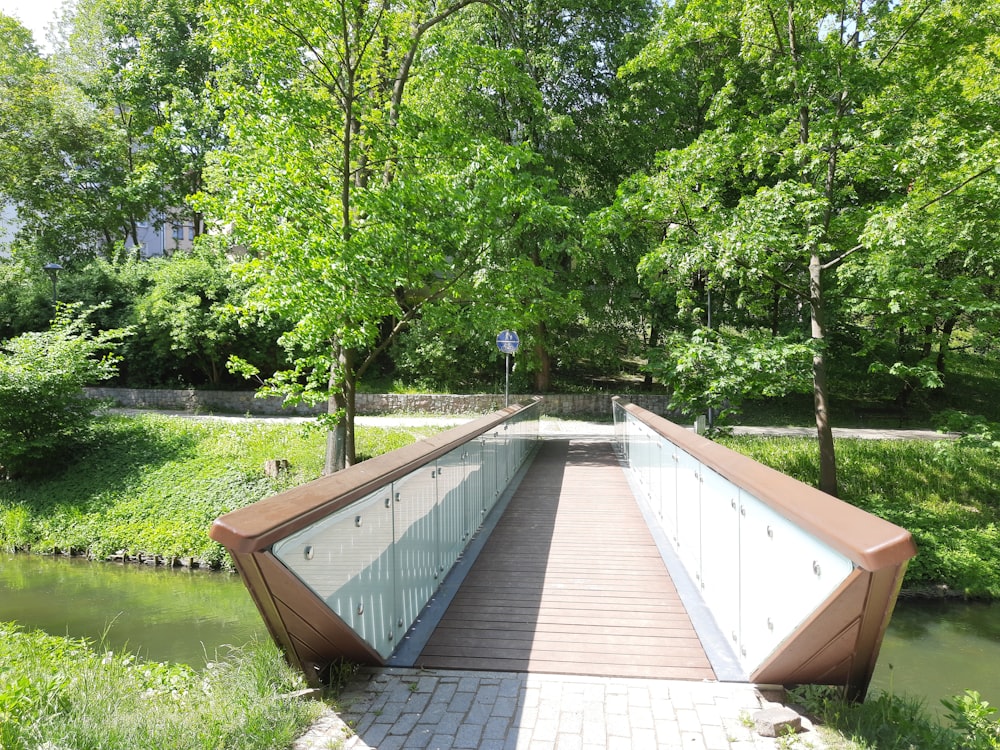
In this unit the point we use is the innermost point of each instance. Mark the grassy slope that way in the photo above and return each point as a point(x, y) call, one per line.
point(154, 484)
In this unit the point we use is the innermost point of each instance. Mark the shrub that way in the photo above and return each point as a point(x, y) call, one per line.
point(42, 374)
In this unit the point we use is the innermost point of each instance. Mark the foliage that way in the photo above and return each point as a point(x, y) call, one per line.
point(942, 493)
point(975, 719)
point(25, 298)
point(154, 485)
point(821, 190)
point(43, 414)
point(353, 219)
point(59, 692)
point(891, 722)
point(151, 64)
point(718, 369)
point(60, 160)
point(188, 317)
point(974, 429)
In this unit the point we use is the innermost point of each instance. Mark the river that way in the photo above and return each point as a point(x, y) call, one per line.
point(933, 649)
point(175, 614)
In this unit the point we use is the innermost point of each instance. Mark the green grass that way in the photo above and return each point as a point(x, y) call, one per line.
point(153, 484)
point(897, 722)
point(65, 693)
point(946, 494)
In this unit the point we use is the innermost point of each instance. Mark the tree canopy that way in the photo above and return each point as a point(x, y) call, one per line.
point(730, 198)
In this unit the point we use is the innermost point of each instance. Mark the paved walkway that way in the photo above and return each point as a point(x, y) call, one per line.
point(400, 709)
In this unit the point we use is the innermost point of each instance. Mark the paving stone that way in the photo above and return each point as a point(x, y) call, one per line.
point(504, 706)
point(510, 688)
point(569, 742)
point(462, 702)
point(774, 722)
point(404, 724)
point(468, 736)
point(496, 728)
point(493, 711)
point(545, 730)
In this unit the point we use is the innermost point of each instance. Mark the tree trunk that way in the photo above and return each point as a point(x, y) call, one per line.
point(944, 343)
point(340, 444)
point(827, 456)
point(654, 341)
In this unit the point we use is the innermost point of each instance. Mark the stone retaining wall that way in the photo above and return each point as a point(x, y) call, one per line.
point(243, 402)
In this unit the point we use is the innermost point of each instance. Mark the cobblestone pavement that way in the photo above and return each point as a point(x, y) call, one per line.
point(399, 709)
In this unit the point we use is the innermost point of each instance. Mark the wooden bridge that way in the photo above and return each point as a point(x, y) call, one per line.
point(570, 581)
point(568, 575)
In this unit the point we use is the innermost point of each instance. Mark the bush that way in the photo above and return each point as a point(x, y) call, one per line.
point(42, 374)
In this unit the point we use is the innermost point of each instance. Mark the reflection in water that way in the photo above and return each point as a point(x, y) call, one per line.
point(174, 615)
point(937, 649)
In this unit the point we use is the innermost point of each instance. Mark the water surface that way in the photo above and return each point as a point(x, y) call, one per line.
point(175, 614)
point(932, 650)
point(938, 649)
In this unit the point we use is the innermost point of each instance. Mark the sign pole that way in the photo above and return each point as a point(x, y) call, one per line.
point(506, 387)
point(507, 343)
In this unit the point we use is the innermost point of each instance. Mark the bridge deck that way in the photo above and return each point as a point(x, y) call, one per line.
point(571, 582)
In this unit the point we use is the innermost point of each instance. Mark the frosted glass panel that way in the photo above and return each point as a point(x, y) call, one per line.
point(347, 559)
point(790, 574)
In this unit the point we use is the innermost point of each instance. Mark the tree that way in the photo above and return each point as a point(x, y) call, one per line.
point(43, 413)
point(149, 66)
point(58, 156)
point(790, 178)
point(542, 76)
point(352, 220)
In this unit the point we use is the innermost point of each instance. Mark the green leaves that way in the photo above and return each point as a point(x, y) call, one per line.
point(718, 369)
point(42, 410)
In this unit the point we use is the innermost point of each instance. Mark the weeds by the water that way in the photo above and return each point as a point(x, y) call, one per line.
point(890, 722)
point(58, 694)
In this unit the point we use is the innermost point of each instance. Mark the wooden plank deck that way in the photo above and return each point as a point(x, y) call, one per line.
point(570, 582)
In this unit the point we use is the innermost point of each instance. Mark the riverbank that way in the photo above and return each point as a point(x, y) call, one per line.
point(215, 446)
point(149, 485)
point(65, 693)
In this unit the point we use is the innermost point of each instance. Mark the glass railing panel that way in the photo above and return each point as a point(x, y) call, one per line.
point(418, 535)
point(773, 549)
point(348, 560)
point(451, 506)
point(490, 445)
point(720, 550)
point(668, 488)
point(688, 535)
point(475, 496)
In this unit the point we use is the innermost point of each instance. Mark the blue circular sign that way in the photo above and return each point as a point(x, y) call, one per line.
point(507, 342)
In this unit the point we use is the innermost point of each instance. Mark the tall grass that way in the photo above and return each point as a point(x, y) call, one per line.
point(58, 693)
point(886, 721)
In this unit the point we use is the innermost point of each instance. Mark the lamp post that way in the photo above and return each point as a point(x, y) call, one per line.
point(53, 269)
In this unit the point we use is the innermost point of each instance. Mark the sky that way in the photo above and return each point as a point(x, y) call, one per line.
point(35, 14)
